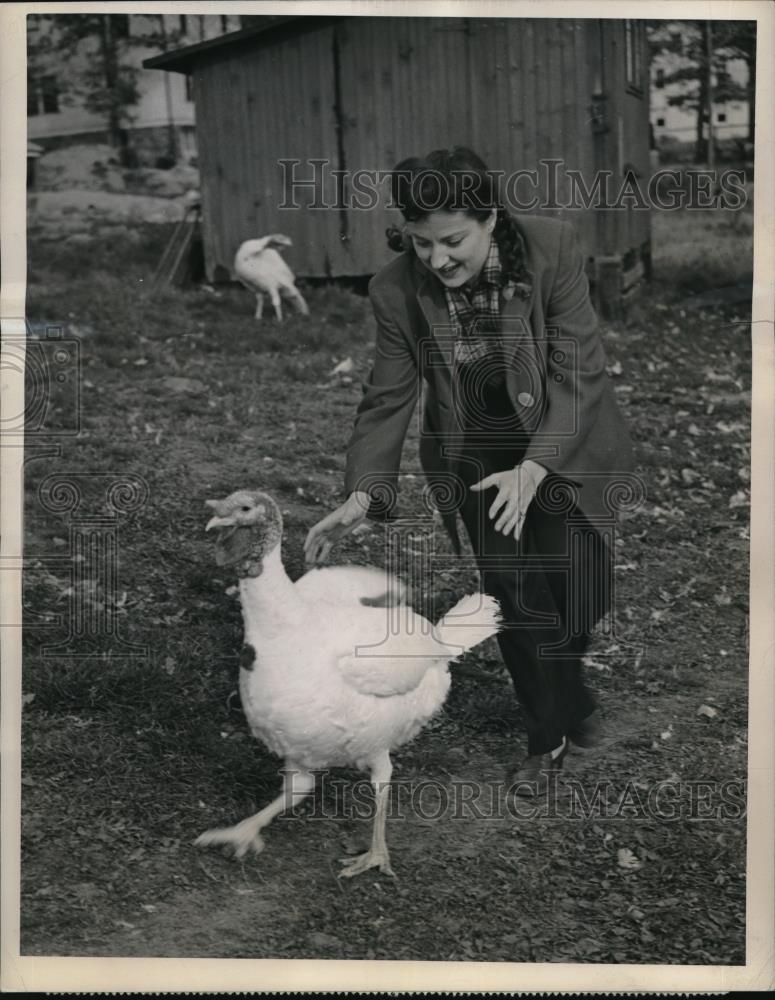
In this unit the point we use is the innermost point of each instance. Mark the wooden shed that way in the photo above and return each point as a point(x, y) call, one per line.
point(291, 100)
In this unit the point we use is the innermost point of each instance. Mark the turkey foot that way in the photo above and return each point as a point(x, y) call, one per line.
point(371, 859)
point(245, 836)
point(242, 837)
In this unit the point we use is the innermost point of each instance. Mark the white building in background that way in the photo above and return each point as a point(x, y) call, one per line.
point(165, 107)
point(679, 124)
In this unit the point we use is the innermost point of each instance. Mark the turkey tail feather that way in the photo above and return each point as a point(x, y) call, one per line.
point(472, 620)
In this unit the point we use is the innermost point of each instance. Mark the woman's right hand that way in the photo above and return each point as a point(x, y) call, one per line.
point(336, 525)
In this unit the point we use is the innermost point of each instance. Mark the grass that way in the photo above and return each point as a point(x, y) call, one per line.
point(696, 250)
point(128, 758)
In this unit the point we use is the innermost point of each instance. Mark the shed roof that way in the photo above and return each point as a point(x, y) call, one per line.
point(272, 27)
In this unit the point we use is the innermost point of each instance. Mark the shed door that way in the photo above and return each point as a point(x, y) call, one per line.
point(620, 122)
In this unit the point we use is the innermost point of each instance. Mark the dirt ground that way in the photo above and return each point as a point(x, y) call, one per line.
point(131, 751)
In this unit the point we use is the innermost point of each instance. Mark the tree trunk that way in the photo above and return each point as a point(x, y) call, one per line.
point(751, 88)
point(110, 68)
point(711, 141)
point(705, 100)
point(702, 103)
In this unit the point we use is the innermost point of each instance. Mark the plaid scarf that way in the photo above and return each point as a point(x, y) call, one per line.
point(475, 313)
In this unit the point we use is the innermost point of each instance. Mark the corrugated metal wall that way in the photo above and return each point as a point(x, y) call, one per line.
point(362, 93)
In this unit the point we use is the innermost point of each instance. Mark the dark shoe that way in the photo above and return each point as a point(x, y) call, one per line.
point(587, 733)
point(533, 775)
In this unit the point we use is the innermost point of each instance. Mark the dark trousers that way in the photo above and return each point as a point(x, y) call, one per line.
point(553, 585)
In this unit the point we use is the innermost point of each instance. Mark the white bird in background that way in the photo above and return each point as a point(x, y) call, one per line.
point(261, 269)
point(327, 680)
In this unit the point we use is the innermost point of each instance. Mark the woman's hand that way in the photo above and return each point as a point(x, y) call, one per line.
point(336, 525)
point(516, 489)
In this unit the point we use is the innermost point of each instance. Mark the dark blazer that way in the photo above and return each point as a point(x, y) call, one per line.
point(556, 378)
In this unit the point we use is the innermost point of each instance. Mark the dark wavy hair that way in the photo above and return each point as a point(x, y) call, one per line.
point(455, 180)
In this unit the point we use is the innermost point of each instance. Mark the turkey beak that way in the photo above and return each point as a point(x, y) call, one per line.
point(221, 519)
point(219, 522)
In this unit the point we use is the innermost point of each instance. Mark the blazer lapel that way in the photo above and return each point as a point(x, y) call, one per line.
point(432, 301)
point(436, 352)
point(525, 362)
point(515, 313)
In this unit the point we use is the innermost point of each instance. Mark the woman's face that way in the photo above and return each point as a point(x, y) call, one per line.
point(453, 245)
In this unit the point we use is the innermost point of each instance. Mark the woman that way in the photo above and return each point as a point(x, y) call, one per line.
point(521, 433)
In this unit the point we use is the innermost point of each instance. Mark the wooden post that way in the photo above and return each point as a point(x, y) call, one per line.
point(608, 286)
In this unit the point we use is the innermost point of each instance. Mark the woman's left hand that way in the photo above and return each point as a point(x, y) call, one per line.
point(516, 489)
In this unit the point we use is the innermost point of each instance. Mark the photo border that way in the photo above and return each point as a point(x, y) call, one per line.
point(32, 973)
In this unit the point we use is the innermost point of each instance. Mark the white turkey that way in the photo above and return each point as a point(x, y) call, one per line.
point(326, 680)
point(261, 269)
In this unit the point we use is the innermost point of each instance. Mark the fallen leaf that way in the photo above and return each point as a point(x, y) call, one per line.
point(87, 890)
point(470, 851)
point(712, 376)
point(627, 860)
point(321, 940)
point(178, 384)
point(707, 711)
